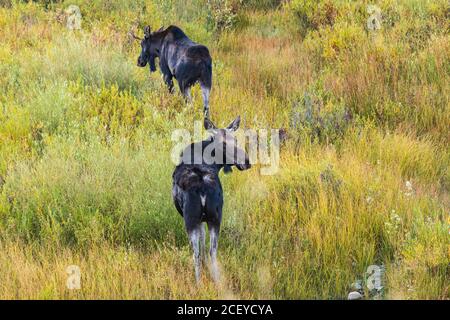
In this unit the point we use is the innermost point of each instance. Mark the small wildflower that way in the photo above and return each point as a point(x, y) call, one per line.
point(393, 225)
point(409, 189)
point(408, 185)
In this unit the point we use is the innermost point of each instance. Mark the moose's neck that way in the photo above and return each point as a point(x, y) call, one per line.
point(158, 39)
point(196, 153)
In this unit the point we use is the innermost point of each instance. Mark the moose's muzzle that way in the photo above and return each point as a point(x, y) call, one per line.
point(141, 62)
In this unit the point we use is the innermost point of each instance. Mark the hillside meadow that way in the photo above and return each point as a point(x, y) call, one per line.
point(363, 180)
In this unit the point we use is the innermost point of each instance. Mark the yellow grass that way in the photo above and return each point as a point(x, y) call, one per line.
point(85, 170)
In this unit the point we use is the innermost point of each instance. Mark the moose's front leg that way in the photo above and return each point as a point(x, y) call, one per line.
point(152, 64)
point(187, 95)
point(168, 79)
point(168, 75)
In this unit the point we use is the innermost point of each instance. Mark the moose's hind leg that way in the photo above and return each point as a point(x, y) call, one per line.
point(214, 241)
point(185, 90)
point(205, 94)
point(203, 242)
point(194, 238)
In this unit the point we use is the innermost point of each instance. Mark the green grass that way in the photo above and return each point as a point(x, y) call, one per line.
point(85, 142)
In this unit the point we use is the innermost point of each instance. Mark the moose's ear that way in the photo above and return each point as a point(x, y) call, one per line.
point(208, 124)
point(235, 124)
point(160, 29)
point(147, 31)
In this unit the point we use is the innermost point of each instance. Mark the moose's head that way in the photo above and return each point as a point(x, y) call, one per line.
point(150, 47)
point(225, 143)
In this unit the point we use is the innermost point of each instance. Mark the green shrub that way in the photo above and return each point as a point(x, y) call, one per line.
point(112, 110)
point(221, 16)
point(318, 117)
point(313, 15)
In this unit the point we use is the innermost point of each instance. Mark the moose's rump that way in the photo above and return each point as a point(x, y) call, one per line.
point(198, 53)
point(194, 65)
point(197, 189)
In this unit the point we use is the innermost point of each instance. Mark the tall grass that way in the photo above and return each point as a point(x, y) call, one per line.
point(85, 170)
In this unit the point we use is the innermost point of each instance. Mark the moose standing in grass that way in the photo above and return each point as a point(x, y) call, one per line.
point(179, 58)
point(197, 192)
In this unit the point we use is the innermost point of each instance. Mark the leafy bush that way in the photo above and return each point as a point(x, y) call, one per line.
point(113, 111)
point(316, 115)
point(222, 15)
point(313, 15)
